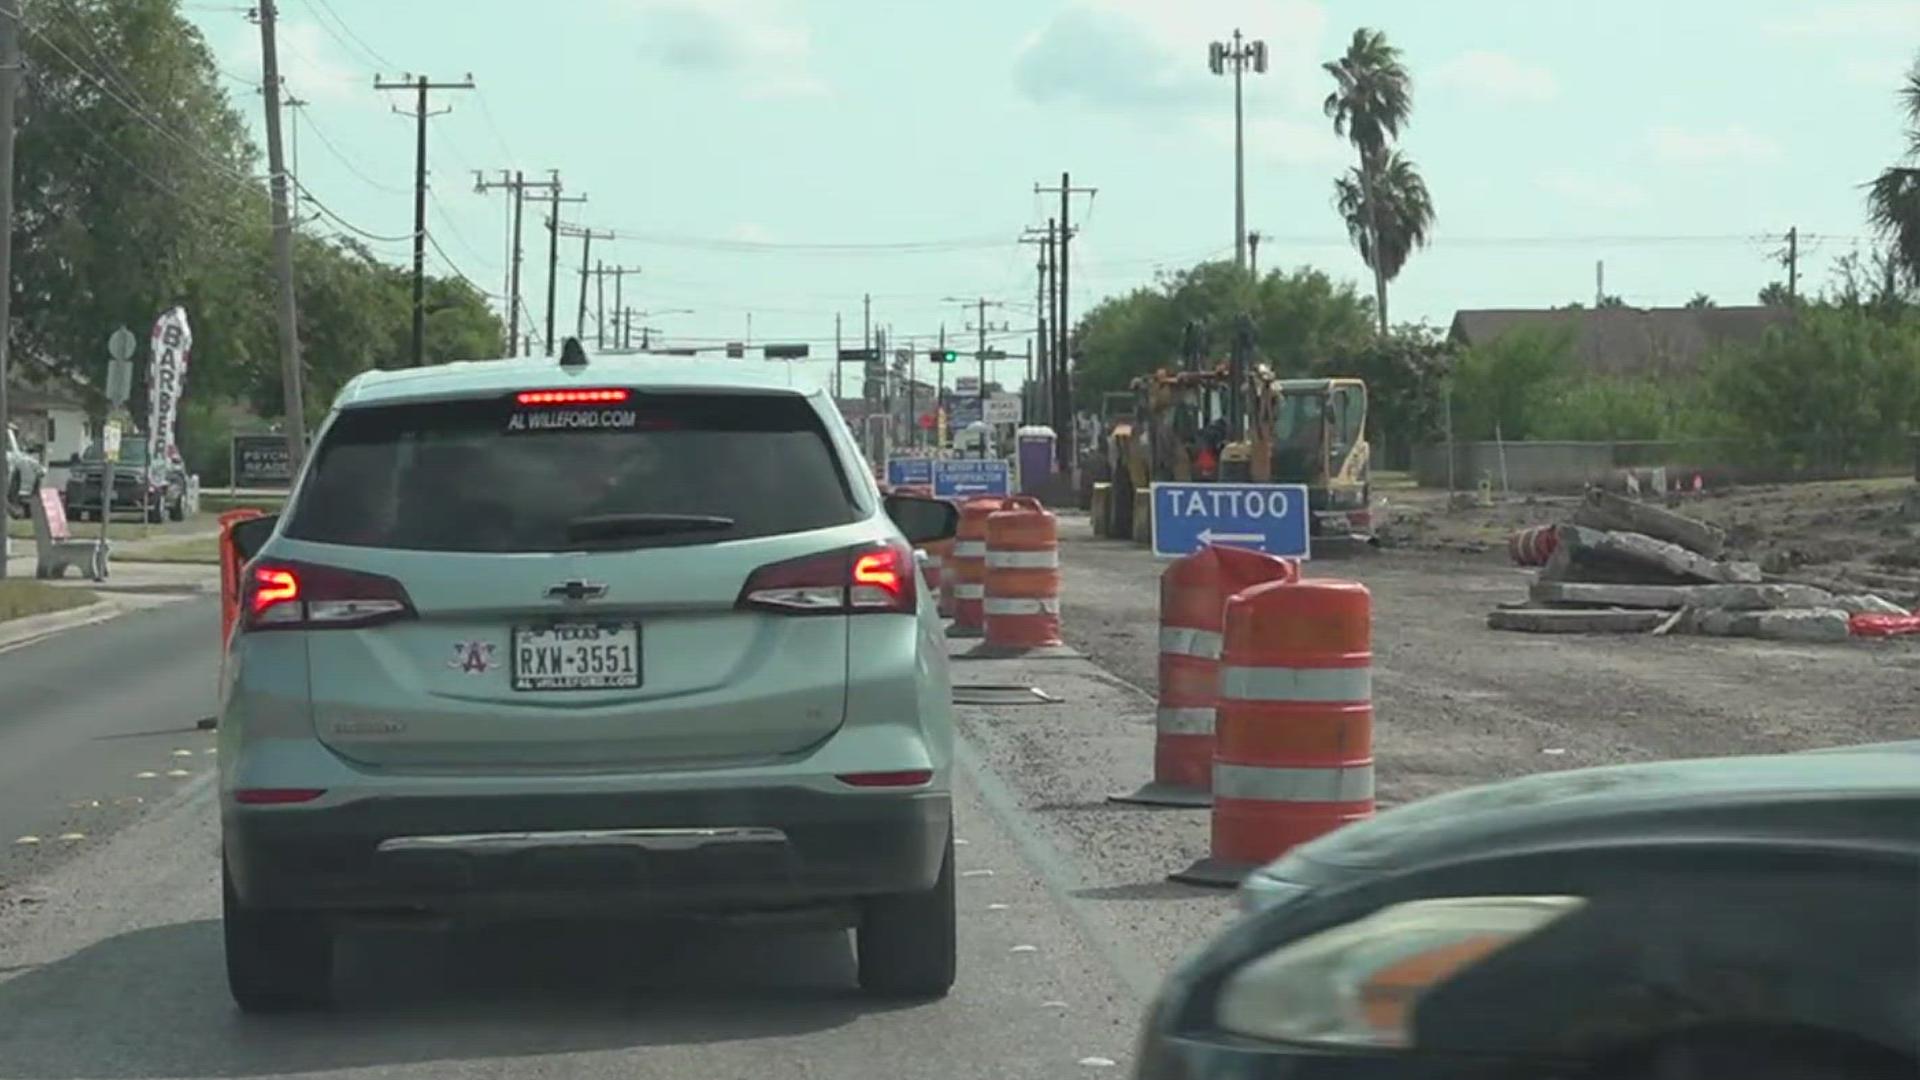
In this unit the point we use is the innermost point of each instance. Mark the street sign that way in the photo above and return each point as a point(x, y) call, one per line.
point(964, 411)
point(991, 354)
point(736, 350)
point(1265, 517)
point(110, 440)
point(910, 472)
point(859, 354)
point(967, 385)
point(1003, 409)
point(261, 461)
point(959, 478)
point(784, 352)
point(121, 343)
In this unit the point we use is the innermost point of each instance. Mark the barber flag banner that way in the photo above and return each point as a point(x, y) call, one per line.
point(172, 346)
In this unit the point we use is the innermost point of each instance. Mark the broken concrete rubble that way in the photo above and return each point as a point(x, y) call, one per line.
point(1795, 624)
point(1571, 621)
point(1759, 597)
point(1606, 511)
point(1582, 548)
point(1593, 594)
point(1867, 604)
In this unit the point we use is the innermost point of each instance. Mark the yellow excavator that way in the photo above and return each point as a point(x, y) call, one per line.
point(1237, 421)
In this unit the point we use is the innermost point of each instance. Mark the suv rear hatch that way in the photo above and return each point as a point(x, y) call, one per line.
point(554, 581)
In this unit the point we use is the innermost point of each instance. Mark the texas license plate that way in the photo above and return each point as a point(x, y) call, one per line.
point(576, 656)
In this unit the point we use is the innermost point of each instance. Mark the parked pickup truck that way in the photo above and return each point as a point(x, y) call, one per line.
point(157, 490)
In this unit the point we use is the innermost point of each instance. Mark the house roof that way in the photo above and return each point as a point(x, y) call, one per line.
point(33, 399)
point(1628, 341)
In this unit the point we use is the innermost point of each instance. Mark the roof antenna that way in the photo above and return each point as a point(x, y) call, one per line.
point(571, 354)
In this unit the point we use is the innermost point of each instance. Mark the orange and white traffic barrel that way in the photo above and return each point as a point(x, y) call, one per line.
point(1193, 600)
point(1293, 734)
point(933, 566)
point(1533, 547)
point(1022, 600)
point(969, 563)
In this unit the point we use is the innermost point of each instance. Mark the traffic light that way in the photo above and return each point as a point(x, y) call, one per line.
point(943, 356)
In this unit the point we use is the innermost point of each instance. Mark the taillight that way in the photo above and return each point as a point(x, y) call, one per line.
point(898, 778)
point(611, 395)
point(868, 578)
point(276, 796)
point(306, 596)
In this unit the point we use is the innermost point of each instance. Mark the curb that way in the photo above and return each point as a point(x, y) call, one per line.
point(15, 633)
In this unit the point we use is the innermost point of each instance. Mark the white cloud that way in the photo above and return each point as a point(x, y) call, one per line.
point(1877, 19)
point(1497, 76)
point(1731, 144)
point(311, 63)
point(765, 44)
point(1592, 191)
point(1130, 55)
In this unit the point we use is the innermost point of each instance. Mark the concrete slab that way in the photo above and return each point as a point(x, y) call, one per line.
point(1609, 512)
point(1564, 621)
point(1663, 597)
point(1674, 563)
point(1760, 597)
point(1798, 624)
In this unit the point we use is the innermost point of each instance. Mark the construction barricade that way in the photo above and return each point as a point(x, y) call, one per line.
point(1022, 600)
point(934, 559)
point(1293, 734)
point(1533, 547)
point(969, 564)
point(1193, 601)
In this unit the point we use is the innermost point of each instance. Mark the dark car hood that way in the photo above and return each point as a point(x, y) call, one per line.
point(1863, 795)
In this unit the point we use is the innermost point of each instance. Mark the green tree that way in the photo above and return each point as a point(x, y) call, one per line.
point(1406, 372)
point(1383, 195)
point(1503, 387)
point(1893, 197)
point(1701, 301)
point(1776, 295)
point(1299, 319)
point(118, 215)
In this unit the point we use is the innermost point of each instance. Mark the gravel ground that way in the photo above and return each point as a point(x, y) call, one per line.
point(1459, 704)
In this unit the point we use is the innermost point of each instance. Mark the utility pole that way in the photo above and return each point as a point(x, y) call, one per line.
point(294, 105)
point(282, 218)
point(1062, 404)
point(838, 366)
point(1034, 391)
point(1793, 263)
point(619, 296)
point(553, 252)
point(1599, 283)
point(518, 184)
point(600, 273)
point(1239, 55)
point(421, 86)
point(9, 91)
point(586, 256)
point(1253, 253)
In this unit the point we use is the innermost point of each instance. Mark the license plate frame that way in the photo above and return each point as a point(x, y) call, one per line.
point(553, 676)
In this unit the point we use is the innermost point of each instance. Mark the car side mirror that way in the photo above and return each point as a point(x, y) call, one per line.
point(251, 535)
point(923, 520)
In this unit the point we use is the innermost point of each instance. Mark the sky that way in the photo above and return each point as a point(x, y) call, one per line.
point(769, 163)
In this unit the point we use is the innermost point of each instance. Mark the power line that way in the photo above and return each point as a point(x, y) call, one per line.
point(907, 247)
point(346, 160)
point(446, 218)
point(357, 44)
point(344, 223)
point(457, 272)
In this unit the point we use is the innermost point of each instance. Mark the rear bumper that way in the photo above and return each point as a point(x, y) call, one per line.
point(745, 849)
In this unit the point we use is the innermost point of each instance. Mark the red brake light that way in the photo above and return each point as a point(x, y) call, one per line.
point(898, 778)
point(612, 395)
point(867, 578)
point(276, 796)
point(306, 596)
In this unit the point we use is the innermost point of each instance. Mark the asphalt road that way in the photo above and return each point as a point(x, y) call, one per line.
point(98, 723)
point(110, 956)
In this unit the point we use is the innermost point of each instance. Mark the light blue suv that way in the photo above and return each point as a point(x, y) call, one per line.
point(601, 634)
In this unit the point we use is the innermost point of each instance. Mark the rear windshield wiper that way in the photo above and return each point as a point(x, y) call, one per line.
point(620, 526)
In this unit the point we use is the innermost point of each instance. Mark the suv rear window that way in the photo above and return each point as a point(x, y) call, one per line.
point(494, 475)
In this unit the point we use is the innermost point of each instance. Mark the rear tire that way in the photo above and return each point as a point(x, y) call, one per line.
point(277, 961)
point(907, 945)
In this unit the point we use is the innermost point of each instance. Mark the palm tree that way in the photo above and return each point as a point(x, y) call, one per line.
point(1400, 213)
point(1893, 198)
point(1372, 97)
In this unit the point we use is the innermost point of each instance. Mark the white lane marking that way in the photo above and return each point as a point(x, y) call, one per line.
point(1098, 1062)
point(146, 774)
point(976, 873)
point(1054, 1005)
point(72, 837)
point(1024, 948)
point(211, 750)
point(1554, 751)
point(183, 753)
point(85, 804)
point(177, 773)
point(957, 842)
point(996, 907)
point(26, 841)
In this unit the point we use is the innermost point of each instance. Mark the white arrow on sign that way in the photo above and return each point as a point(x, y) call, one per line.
point(1208, 536)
